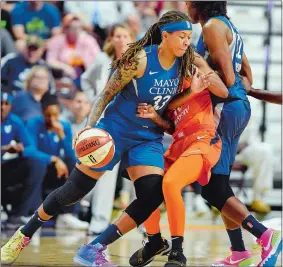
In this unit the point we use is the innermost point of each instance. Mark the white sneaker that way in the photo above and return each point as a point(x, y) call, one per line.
point(97, 225)
point(70, 221)
point(200, 206)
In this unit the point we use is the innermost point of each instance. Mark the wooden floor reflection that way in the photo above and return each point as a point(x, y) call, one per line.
point(205, 241)
point(203, 245)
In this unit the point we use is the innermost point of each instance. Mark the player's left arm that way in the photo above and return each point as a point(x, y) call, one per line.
point(263, 95)
point(215, 38)
point(216, 85)
point(147, 111)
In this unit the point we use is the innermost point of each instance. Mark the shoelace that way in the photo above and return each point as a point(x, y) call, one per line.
point(21, 245)
point(100, 256)
point(147, 245)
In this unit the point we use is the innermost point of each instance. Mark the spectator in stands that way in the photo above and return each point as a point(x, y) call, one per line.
point(134, 22)
point(108, 13)
point(84, 12)
point(147, 12)
point(7, 43)
point(27, 103)
point(95, 77)
point(35, 18)
point(6, 19)
point(53, 141)
point(19, 166)
point(15, 67)
point(73, 50)
point(80, 108)
point(258, 157)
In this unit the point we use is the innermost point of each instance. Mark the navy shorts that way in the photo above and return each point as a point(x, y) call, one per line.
point(231, 120)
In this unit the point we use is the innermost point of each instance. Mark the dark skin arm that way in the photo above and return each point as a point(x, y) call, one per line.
point(263, 95)
point(207, 78)
point(215, 37)
point(267, 96)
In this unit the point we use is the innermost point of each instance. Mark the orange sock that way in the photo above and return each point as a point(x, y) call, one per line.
point(152, 223)
point(184, 171)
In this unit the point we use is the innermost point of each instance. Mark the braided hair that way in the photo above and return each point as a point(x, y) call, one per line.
point(209, 9)
point(153, 36)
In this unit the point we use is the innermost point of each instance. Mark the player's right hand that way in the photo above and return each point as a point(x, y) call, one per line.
point(146, 111)
point(77, 136)
point(199, 81)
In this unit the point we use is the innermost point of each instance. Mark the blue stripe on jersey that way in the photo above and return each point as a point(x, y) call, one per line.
point(237, 91)
point(156, 87)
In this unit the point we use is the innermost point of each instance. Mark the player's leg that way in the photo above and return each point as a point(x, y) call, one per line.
point(80, 182)
point(219, 194)
point(149, 196)
point(148, 186)
point(186, 170)
point(156, 245)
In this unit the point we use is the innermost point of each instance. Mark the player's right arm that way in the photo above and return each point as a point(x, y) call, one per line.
point(119, 79)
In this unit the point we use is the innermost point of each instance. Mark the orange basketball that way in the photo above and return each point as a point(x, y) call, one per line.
point(95, 148)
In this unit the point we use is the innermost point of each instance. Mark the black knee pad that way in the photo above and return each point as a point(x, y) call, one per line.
point(75, 188)
point(149, 197)
point(217, 191)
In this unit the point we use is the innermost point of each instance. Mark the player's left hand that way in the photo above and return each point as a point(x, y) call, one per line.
point(199, 81)
point(146, 111)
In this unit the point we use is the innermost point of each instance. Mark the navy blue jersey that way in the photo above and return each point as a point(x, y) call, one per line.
point(237, 91)
point(156, 87)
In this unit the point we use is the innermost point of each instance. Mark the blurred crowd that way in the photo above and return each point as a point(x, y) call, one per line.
point(55, 59)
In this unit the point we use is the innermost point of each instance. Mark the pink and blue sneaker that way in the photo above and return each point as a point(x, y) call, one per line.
point(271, 246)
point(237, 258)
point(92, 255)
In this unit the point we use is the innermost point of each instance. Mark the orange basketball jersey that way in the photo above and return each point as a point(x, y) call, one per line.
point(195, 115)
point(195, 133)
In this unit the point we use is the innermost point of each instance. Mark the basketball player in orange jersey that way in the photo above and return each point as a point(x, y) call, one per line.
point(195, 149)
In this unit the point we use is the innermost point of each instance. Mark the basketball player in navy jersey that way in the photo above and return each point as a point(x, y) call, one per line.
point(222, 46)
point(150, 71)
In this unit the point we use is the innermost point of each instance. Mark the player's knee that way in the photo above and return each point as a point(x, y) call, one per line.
point(169, 187)
point(217, 191)
point(149, 197)
point(75, 188)
point(149, 186)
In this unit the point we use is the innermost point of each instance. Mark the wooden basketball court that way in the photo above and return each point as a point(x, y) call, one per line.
point(205, 242)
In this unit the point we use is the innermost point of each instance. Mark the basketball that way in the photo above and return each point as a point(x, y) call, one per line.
point(95, 148)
